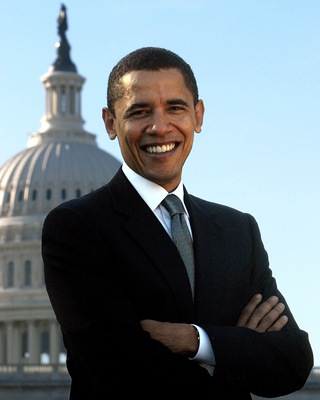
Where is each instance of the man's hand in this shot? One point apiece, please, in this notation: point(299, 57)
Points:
point(264, 317)
point(179, 338)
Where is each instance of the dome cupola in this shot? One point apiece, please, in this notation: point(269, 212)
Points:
point(62, 160)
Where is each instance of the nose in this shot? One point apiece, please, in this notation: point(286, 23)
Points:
point(160, 122)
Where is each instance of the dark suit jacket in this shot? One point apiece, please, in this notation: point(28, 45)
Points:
point(109, 264)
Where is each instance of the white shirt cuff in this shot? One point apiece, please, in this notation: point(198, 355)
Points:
point(205, 355)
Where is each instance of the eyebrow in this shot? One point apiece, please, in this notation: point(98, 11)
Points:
point(177, 101)
point(171, 102)
point(134, 106)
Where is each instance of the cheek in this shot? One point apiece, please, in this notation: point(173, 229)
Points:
point(189, 127)
point(128, 135)
point(189, 123)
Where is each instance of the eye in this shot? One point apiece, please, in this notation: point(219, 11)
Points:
point(139, 113)
point(176, 108)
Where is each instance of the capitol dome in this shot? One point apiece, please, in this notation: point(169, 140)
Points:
point(56, 166)
point(61, 161)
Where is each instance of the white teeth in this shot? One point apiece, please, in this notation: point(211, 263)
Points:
point(160, 149)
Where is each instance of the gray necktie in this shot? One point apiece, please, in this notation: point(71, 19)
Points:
point(181, 234)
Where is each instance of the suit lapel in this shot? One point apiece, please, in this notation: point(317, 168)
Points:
point(210, 253)
point(150, 236)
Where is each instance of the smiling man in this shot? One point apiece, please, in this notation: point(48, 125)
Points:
point(155, 128)
point(133, 321)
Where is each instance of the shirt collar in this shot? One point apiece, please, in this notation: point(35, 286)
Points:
point(151, 193)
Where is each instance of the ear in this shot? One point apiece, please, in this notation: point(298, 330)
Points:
point(108, 119)
point(199, 113)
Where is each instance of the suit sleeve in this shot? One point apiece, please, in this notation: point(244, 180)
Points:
point(268, 364)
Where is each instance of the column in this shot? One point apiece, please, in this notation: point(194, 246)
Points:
point(2, 344)
point(10, 344)
point(33, 343)
point(54, 342)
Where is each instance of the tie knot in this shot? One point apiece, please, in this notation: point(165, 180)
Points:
point(173, 204)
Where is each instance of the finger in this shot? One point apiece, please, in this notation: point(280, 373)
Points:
point(270, 318)
point(261, 312)
point(148, 324)
point(249, 309)
point(279, 324)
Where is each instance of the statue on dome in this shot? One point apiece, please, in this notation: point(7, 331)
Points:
point(62, 21)
point(63, 61)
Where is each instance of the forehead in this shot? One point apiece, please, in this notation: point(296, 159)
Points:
point(161, 81)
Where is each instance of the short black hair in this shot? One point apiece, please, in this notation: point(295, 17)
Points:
point(149, 59)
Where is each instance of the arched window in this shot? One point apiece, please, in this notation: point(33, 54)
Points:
point(72, 100)
point(78, 193)
point(63, 104)
point(34, 195)
point(27, 273)
point(63, 194)
point(10, 281)
point(48, 194)
point(41, 278)
point(20, 198)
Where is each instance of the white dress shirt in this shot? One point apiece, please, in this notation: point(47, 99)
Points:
point(153, 195)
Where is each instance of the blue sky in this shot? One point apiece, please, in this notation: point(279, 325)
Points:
point(258, 68)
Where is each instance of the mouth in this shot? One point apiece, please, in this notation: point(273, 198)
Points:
point(160, 149)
